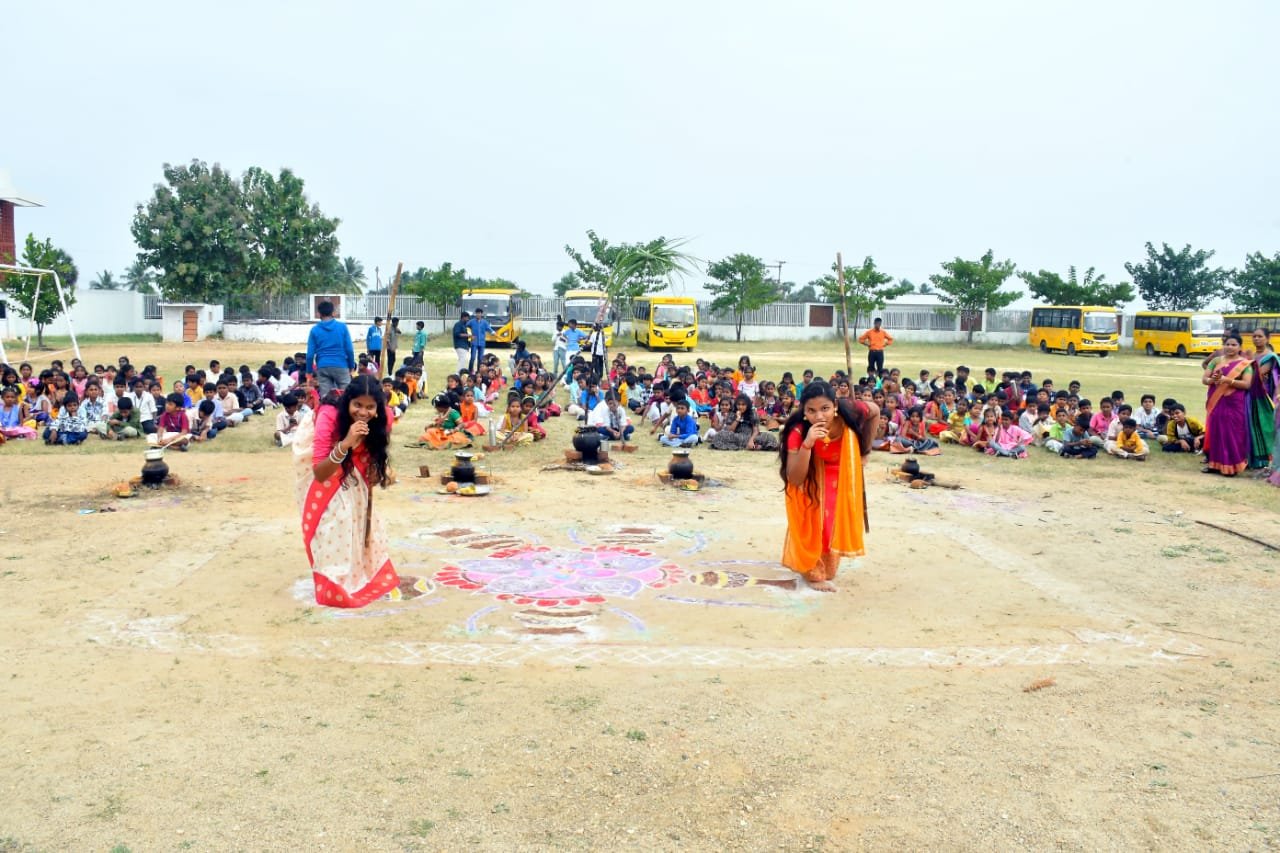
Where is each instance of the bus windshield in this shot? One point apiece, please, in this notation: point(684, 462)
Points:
point(584, 312)
point(1207, 325)
point(495, 308)
point(1100, 323)
point(673, 316)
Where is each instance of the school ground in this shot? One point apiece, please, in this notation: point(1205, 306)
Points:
point(1057, 655)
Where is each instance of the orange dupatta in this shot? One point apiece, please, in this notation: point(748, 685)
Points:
point(803, 546)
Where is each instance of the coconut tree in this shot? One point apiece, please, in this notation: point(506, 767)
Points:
point(353, 272)
point(104, 281)
point(628, 270)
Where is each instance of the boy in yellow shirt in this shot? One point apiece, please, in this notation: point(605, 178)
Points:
point(1128, 444)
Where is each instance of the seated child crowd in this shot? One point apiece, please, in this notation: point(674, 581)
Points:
point(729, 409)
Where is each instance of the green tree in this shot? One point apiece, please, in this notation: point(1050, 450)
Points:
point(628, 270)
point(568, 281)
point(193, 232)
point(1256, 288)
point(439, 287)
point(1177, 281)
point(105, 280)
point(969, 287)
point(139, 279)
point(867, 289)
point(1048, 286)
point(808, 293)
point(353, 274)
point(741, 284)
point(292, 244)
point(22, 288)
point(212, 238)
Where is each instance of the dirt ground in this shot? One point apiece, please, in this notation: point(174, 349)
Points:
point(170, 685)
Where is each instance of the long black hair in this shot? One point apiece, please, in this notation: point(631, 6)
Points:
point(375, 443)
point(849, 413)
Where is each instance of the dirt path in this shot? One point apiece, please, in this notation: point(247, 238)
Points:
point(170, 686)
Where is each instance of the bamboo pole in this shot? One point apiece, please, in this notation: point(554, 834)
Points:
point(844, 316)
point(395, 289)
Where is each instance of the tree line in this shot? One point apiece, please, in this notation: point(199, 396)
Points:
point(207, 236)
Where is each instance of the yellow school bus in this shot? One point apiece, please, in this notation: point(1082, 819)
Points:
point(1179, 333)
point(1246, 323)
point(501, 308)
point(665, 322)
point(1075, 329)
point(584, 306)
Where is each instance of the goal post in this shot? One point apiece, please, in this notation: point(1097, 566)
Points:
point(15, 269)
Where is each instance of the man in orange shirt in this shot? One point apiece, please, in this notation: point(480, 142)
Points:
point(875, 340)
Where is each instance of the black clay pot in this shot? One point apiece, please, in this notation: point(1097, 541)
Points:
point(462, 470)
point(155, 469)
point(587, 442)
point(681, 466)
point(911, 466)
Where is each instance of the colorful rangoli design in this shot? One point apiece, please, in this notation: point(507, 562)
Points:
point(562, 577)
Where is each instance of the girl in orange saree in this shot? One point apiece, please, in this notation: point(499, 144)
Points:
point(1227, 423)
point(823, 447)
point(341, 454)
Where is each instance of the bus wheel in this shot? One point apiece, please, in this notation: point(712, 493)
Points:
point(1044, 346)
point(1182, 351)
point(1151, 350)
point(1071, 349)
point(1102, 354)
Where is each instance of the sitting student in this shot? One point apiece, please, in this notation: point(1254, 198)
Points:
point(209, 390)
point(984, 432)
point(231, 410)
point(394, 399)
point(743, 430)
point(125, 423)
point(1056, 438)
point(1123, 411)
point(204, 428)
point(1010, 439)
point(1077, 442)
point(288, 419)
point(657, 411)
point(267, 387)
point(528, 409)
point(1147, 417)
point(69, 427)
point(447, 430)
point(881, 440)
point(1182, 434)
point(683, 429)
point(249, 395)
point(1037, 426)
point(93, 409)
point(1128, 444)
point(13, 416)
point(914, 436)
point(1162, 419)
point(513, 429)
point(145, 404)
point(610, 419)
point(721, 415)
point(957, 431)
point(173, 428)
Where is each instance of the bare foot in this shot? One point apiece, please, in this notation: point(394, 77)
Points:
point(822, 586)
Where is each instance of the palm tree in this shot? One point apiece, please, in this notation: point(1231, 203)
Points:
point(353, 273)
point(104, 281)
point(139, 279)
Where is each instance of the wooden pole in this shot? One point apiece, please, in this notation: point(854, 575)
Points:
point(395, 289)
point(844, 316)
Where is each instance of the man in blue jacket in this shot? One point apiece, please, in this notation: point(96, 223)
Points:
point(479, 327)
point(330, 354)
point(373, 343)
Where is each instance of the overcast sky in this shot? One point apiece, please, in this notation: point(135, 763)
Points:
point(491, 133)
